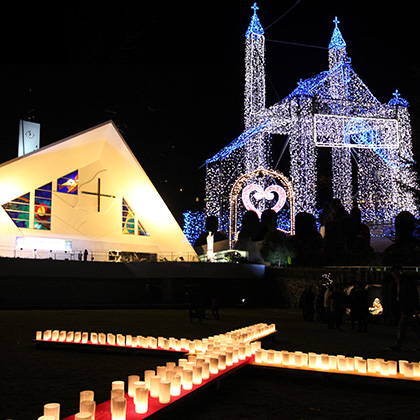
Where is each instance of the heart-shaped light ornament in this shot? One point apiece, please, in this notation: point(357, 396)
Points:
point(260, 194)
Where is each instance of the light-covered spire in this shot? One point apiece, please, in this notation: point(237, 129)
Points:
point(255, 25)
point(337, 40)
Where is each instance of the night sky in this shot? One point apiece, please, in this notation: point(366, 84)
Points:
point(171, 75)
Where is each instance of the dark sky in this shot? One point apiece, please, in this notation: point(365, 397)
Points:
point(171, 75)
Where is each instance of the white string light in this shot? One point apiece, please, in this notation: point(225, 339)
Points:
point(333, 109)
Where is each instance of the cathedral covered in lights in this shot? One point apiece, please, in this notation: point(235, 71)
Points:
point(333, 109)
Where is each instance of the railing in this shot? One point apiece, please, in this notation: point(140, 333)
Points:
point(94, 255)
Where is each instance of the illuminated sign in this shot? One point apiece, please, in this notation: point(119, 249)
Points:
point(53, 244)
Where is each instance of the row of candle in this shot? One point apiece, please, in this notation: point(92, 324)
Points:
point(206, 357)
point(87, 408)
point(169, 380)
point(245, 334)
point(340, 363)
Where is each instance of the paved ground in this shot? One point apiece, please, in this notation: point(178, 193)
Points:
point(31, 377)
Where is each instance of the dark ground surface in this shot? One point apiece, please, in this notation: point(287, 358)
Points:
point(31, 377)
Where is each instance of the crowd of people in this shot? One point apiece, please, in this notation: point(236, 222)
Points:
point(342, 240)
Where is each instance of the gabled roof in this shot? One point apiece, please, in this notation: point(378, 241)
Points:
point(320, 85)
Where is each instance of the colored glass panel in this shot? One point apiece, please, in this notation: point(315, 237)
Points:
point(69, 183)
point(18, 210)
point(42, 207)
point(129, 221)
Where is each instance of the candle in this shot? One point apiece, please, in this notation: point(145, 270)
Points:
point(341, 363)
point(117, 393)
point(222, 361)
point(131, 380)
point(164, 392)
point(147, 375)
point(137, 384)
point(179, 370)
point(86, 395)
point(141, 400)
point(117, 385)
point(362, 366)
point(161, 371)
point(47, 335)
point(154, 386)
point(298, 358)
point(94, 338)
point(371, 365)
point(176, 386)
point(62, 336)
point(187, 382)
point(46, 418)
point(88, 406)
point(214, 365)
point(102, 338)
point(85, 337)
point(70, 336)
point(118, 408)
point(285, 357)
point(52, 409)
point(111, 339)
point(77, 336)
point(197, 375)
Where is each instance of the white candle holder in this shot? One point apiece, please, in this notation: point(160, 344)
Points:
point(131, 380)
point(187, 382)
point(141, 400)
point(88, 406)
point(118, 408)
point(118, 385)
point(52, 409)
point(164, 392)
point(154, 386)
point(86, 395)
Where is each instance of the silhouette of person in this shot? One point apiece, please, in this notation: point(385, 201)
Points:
point(360, 307)
point(212, 226)
point(356, 250)
point(246, 238)
point(273, 245)
point(361, 228)
point(306, 244)
point(85, 255)
point(406, 248)
point(408, 299)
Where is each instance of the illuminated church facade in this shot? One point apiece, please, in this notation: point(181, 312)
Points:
point(86, 192)
point(370, 144)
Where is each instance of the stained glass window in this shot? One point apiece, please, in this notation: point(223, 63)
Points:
point(42, 207)
point(68, 183)
point(18, 210)
point(129, 221)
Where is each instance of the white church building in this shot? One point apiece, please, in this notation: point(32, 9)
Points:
point(86, 194)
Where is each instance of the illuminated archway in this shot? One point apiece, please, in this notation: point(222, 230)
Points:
point(258, 190)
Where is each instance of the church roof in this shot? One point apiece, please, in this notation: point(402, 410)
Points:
point(337, 40)
point(88, 189)
point(255, 25)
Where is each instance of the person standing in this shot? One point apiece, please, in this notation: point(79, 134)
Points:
point(408, 299)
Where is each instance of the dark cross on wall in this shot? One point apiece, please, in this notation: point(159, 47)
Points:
point(98, 193)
